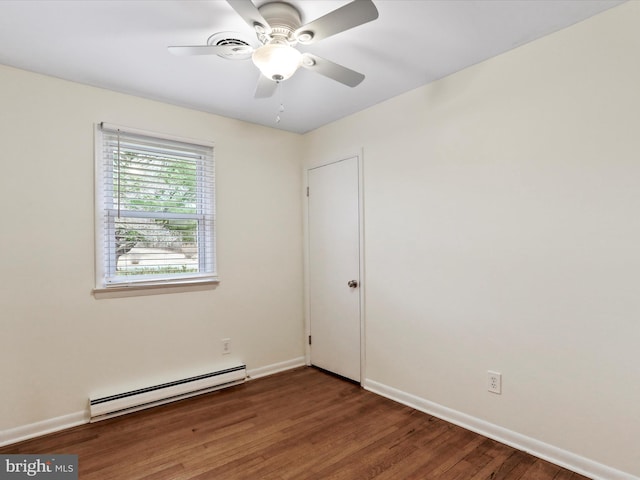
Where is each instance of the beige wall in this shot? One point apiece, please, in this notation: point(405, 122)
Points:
point(502, 232)
point(58, 344)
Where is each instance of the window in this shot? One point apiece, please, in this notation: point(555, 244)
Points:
point(155, 209)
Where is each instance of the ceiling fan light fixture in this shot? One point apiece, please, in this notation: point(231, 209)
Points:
point(277, 61)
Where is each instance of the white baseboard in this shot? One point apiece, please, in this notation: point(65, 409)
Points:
point(25, 432)
point(276, 368)
point(555, 455)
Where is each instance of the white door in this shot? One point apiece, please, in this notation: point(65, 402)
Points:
point(334, 267)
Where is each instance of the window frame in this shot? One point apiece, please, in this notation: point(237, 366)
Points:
point(105, 214)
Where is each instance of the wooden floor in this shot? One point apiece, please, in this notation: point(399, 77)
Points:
point(300, 424)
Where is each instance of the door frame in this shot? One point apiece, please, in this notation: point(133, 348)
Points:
point(362, 282)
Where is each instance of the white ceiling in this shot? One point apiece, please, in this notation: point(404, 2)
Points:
point(121, 46)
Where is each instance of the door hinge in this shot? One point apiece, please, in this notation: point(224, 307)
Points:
point(307, 191)
point(309, 339)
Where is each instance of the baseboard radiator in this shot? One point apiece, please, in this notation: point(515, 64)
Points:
point(126, 402)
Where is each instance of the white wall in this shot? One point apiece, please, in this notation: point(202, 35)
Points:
point(502, 232)
point(59, 344)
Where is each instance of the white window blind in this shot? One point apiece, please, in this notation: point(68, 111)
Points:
point(157, 211)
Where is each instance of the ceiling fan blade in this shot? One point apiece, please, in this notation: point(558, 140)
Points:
point(266, 87)
point(332, 70)
point(251, 15)
point(211, 49)
point(348, 16)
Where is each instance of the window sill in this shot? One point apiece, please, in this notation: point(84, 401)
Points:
point(133, 290)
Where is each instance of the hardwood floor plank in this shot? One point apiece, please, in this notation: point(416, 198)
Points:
point(498, 454)
point(541, 470)
point(303, 424)
point(514, 467)
point(473, 463)
point(446, 455)
point(438, 431)
point(564, 474)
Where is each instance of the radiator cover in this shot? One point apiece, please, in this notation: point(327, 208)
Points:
point(121, 403)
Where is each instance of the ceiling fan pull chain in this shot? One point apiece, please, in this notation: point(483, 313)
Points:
point(281, 108)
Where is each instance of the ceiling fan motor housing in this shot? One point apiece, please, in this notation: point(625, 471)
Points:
point(284, 20)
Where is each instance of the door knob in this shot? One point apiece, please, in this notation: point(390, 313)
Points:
point(352, 283)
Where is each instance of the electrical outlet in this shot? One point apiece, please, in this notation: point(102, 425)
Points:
point(494, 382)
point(226, 346)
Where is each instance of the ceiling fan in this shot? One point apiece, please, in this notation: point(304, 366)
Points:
point(278, 26)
